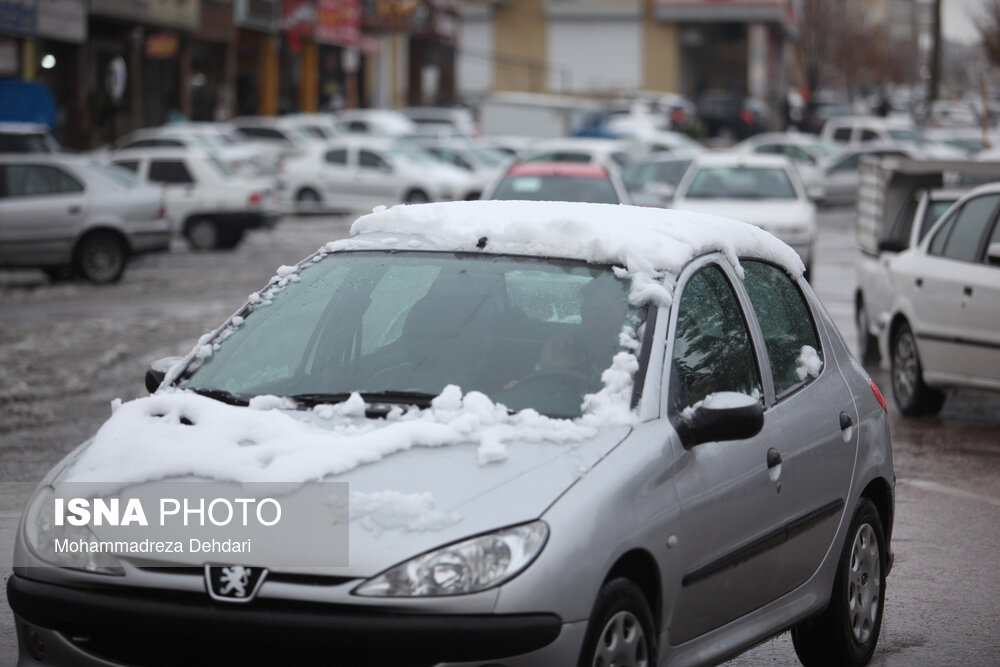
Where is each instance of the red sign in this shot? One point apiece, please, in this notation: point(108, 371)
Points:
point(338, 22)
point(298, 17)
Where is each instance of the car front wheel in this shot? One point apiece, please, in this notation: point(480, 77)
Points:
point(101, 258)
point(912, 396)
point(848, 630)
point(620, 631)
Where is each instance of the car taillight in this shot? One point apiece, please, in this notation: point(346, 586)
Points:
point(746, 116)
point(677, 115)
point(254, 198)
point(878, 394)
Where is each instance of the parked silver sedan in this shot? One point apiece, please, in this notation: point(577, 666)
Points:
point(68, 214)
point(574, 434)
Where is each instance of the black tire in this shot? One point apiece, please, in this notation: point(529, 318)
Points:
point(230, 237)
point(620, 630)
point(867, 343)
point(100, 257)
point(307, 200)
point(416, 197)
point(203, 234)
point(847, 632)
point(912, 396)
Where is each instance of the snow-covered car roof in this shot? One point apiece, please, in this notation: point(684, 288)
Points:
point(645, 241)
point(735, 158)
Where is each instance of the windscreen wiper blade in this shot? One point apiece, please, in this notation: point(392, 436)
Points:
point(418, 398)
point(223, 395)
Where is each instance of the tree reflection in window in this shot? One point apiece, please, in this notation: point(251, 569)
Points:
point(712, 349)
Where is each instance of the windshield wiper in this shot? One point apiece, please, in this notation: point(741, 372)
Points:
point(223, 395)
point(418, 398)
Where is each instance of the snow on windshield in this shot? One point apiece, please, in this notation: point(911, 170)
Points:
point(176, 433)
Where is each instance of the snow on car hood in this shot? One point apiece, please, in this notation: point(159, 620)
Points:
point(418, 478)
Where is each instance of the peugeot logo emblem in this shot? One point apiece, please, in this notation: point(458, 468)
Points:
point(233, 583)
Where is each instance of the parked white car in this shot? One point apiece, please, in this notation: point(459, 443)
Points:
point(380, 122)
point(210, 205)
point(239, 152)
point(360, 172)
point(608, 152)
point(807, 151)
point(836, 180)
point(68, 214)
point(944, 325)
point(764, 190)
point(482, 164)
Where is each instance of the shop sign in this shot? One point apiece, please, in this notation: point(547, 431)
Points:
point(298, 17)
point(180, 13)
point(338, 22)
point(162, 45)
point(17, 17)
point(725, 11)
point(65, 20)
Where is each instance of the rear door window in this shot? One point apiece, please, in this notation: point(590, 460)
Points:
point(961, 237)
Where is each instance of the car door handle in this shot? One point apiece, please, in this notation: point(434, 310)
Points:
point(920, 282)
point(967, 290)
point(73, 210)
point(845, 421)
point(773, 457)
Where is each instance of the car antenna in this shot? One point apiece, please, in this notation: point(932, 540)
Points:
point(481, 243)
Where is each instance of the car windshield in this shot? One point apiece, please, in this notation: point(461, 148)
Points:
point(557, 188)
point(119, 175)
point(414, 154)
point(527, 332)
point(741, 183)
point(222, 167)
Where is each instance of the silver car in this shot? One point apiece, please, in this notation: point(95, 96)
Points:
point(574, 434)
point(68, 214)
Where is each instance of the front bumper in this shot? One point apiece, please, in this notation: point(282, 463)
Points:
point(147, 627)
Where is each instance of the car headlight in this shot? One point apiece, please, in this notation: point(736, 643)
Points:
point(469, 566)
point(44, 537)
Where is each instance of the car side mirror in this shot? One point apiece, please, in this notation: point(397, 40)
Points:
point(721, 416)
point(157, 371)
point(891, 245)
point(993, 254)
point(816, 193)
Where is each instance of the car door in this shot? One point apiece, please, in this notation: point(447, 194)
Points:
point(179, 186)
point(43, 208)
point(955, 294)
point(337, 177)
point(375, 178)
point(746, 531)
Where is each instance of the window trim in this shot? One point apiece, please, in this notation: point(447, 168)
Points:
point(759, 331)
point(718, 260)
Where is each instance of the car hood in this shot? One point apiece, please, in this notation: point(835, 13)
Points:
point(415, 482)
point(770, 215)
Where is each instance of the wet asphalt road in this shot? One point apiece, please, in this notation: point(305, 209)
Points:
point(67, 350)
